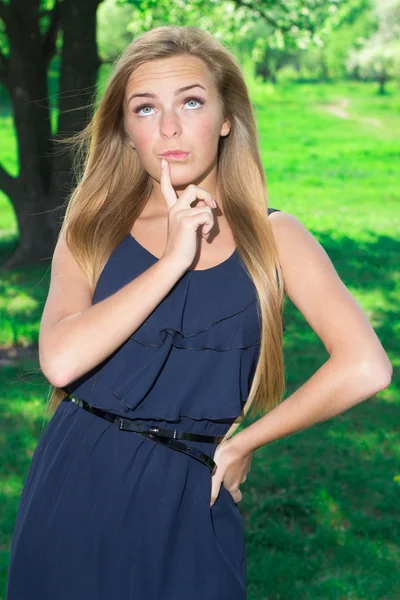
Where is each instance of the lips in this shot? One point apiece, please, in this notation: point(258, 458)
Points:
point(176, 156)
point(176, 153)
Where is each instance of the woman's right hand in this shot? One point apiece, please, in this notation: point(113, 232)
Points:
point(184, 220)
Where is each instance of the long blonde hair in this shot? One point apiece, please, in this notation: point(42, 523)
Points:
point(113, 189)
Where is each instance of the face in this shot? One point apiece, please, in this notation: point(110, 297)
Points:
point(190, 120)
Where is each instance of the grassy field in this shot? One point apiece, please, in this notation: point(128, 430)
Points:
point(320, 507)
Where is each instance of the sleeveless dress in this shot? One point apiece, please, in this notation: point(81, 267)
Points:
point(107, 514)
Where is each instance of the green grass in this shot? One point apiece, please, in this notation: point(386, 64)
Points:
point(320, 507)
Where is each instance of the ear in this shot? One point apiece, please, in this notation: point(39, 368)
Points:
point(225, 129)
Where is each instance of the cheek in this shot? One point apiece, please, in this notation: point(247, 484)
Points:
point(140, 133)
point(205, 135)
point(143, 139)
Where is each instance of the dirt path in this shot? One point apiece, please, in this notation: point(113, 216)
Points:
point(340, 110)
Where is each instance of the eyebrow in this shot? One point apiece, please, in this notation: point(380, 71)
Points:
point(178, 91)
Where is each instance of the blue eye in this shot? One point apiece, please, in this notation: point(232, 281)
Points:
point(142, 106)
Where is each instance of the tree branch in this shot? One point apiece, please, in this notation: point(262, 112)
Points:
point(4, 69)
point(8, 183)
point(4, 61)
point(50, 36)
point(264, 15)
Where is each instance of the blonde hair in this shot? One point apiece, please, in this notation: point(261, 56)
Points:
point(113, 189)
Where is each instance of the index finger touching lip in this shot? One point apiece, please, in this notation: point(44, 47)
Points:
point(164, 167)
point(167, 189)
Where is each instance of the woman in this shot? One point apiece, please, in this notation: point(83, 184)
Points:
point(163, 324)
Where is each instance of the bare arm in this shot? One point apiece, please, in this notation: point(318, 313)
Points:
point(76, 335)
point(358, 366)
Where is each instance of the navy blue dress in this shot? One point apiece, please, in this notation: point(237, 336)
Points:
point(107, 514)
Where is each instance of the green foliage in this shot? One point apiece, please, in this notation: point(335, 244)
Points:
point(329, 60)
point(289, 23)
point(113, 33)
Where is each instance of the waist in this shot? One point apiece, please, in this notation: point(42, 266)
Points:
point(183, 421)
point(168, 437)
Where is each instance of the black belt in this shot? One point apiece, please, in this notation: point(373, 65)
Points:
point(166, 437)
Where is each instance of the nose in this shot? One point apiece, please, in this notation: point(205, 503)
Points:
point(170, 125)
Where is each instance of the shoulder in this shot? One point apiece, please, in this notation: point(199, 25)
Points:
point(280, 216)
point(306, 266)
point(291, 235)
point(289, 231)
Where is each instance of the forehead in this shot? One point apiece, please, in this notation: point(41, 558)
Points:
point(169, 73)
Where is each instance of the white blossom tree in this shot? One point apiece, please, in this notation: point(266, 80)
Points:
point(378, 58)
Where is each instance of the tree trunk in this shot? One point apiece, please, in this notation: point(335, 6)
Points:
point(381, 89)
point(45, 177)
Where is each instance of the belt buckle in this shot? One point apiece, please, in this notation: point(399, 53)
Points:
point(153, 430)
point(156, 430)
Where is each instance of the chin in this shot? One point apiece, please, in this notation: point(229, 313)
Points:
point(181, 176)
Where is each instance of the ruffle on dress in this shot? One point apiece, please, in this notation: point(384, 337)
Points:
point(192, 386)
point(163, 373)
point(195, 319)
point(193, 356)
